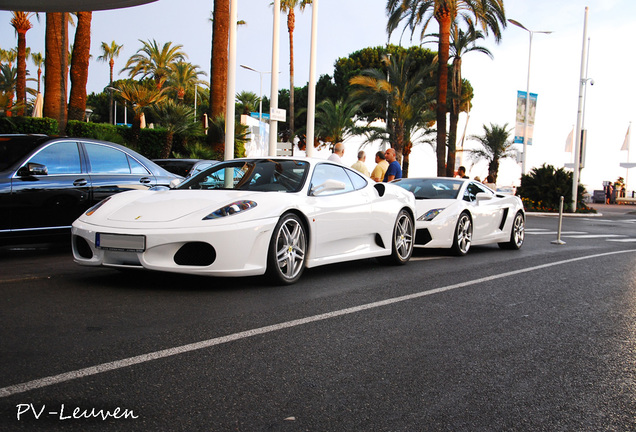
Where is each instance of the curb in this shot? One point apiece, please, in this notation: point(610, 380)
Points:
point(564, 214)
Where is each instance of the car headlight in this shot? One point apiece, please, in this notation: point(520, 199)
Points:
point(231, 209)
point(93, 209)
point(430, 215)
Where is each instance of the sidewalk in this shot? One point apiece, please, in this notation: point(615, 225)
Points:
point(602, 210)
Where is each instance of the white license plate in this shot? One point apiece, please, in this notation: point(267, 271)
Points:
point(121, 242)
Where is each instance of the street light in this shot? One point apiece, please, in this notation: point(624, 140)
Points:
point(112, 89)
point(525, 121)
point(260, 96)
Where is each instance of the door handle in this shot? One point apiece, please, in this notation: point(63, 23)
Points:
point(80, 182)
point(145, 180)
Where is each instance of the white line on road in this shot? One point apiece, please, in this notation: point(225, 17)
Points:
point(555, 232)
point(593, 236)
point(625, 240)
point(119, 364)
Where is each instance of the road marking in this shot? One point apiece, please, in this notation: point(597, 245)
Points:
point(593, 236)
point(119, 364)
point(556, 232)
point(625, 240)
point(427, 258)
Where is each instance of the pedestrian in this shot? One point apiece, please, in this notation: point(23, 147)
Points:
point(380, 168)
point(490, 182)
point(360, 165)
point(461, 172)
point(338, 151)
point(395, 170)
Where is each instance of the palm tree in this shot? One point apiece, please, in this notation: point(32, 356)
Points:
point(461, 43)
point(247, 102)
point(408, 99)
point(38, 60)
point(184, 76)
point(489, 14)
point(109, 54)
point(22, 23)
point(496, 145)
point(335, 122)
point(79, 66)
point(288, 7)
point(139, 98)
point(154, 62)
point(56, 68)
point(175, 118)
point(8, 79)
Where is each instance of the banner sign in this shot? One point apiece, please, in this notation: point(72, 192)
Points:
point(521, 116)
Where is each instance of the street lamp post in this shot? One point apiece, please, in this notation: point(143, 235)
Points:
point(260, 96)
point(526, 116)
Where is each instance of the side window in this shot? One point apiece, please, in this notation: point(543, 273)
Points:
point(472, 190)
point(358, 181)
point(60, 158)
point(136, 167)
point(324, 172)
point(104, 159)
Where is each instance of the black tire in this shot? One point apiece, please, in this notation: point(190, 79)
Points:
point(287, 250)
point(517, 233)
point(402, 239)
point(463, 235)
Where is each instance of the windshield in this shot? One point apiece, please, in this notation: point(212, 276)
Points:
point(265, 175)
point(14, 148)
point(437, 188)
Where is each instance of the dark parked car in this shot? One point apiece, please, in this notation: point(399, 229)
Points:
point(47, 182)
point(185, 167)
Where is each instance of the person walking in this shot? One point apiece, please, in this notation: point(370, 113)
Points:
point(395, 170)
point(360, 166)
point(380, 168)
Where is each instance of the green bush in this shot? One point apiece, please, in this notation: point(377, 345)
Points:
point(542, 189)
point(28, 125)
point(99, 131)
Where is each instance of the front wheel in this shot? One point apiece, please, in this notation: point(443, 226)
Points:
point(287, 250)
point(402, 239)
point(517, 233)
point(463, 235)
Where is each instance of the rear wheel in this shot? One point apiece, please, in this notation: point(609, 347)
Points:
point(463, 235)
point(287, 250)
point(402, 239)
point(517, 233)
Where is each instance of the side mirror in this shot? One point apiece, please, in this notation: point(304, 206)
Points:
point(174, 183)
point(328, 186)
point(483, 196)
point(32, 169)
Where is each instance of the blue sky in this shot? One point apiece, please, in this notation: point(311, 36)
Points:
point(350, 25)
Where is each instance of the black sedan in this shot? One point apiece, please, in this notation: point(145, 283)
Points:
point(47, 182)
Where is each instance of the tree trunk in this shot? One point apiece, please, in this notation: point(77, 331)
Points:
point(20, 87)
point(456, 86)
point(443, 17)
point(218, 66)
point(111, 63)
point(79, 67)
point(56, 68)
point(291, 26)
point(167, 146)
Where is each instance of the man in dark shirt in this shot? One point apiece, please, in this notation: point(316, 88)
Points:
point(395, 170)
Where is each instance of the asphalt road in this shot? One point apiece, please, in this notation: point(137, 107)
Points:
point(538, 339)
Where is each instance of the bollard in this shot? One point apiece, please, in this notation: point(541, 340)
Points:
point(558, 241)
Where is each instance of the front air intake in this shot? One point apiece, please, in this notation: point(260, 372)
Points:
point(195, 254)
point(82, 247)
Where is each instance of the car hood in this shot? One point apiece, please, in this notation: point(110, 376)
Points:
point(423, 205)
point(166, 206)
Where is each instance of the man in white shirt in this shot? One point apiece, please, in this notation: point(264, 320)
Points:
point(338, 151)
